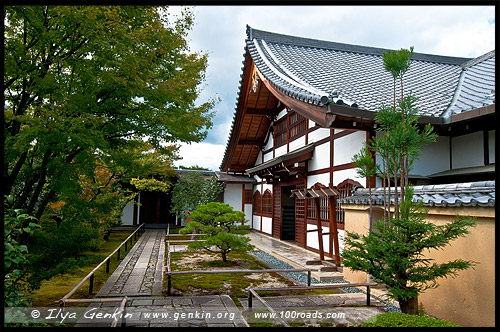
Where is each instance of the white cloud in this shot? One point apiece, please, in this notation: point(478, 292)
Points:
point(203, 154)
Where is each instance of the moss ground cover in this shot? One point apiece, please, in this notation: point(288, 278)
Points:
point(56, 287)
point(397, 319)
point(232, 284)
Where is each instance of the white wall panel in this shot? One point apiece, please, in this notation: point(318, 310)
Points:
point(297, 143)
point(351, 173)
point(318, 134)
point(434, 158)
point(344, 148)
point(256, 223)
point(321, 178)
point(128, 214)
point(321, 157)
point(491, 146)
point(467, 150)
point(267, 225)
point(233, 195)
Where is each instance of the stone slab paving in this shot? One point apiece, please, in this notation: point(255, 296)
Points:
point(141, 271)
point(193, 311)
point(341, 310)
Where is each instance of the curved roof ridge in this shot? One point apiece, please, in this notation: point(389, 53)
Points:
point(305, 85)
point(316, 43)
point(479, 59)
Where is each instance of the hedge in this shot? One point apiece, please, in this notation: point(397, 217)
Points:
point(397, 319)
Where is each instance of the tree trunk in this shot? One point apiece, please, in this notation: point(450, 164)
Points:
point(224, 258)
point(409, 306)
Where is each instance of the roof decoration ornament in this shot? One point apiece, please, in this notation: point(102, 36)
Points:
point(255, 81)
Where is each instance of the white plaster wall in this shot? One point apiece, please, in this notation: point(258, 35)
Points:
point(312, 239)
point(297, 143)
point(318, 134)
point(267, 156)
point(267, 225)
point(344, 148)
point(270, 142)
point(321, 157)
point(256, 223)
point(491, 140)
point(281, 114)
point(321, 178)
point(467, 150)
point(265, 187)
point(434, 158)
point(351, 173)
point(248, 214)
point(128, 214)
point(233, 195)
point(279, 151)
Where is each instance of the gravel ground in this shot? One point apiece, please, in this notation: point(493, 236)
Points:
point(301, 277)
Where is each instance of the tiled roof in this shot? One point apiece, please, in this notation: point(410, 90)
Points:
point(234, 178)
point(476, 87)
point(455, 195)
point(308, 69)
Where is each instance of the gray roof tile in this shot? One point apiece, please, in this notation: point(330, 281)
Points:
point(452, 195)
point(307, 69)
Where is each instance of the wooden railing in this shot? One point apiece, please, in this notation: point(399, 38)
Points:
point(252, 292)
point(169, 271)
point(90, 276)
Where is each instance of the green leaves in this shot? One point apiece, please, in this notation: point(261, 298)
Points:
point(192, 190)
point(223, 228)
point(397, 62)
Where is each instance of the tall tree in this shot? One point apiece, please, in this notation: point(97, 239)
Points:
point(83, 82)
point(393, 253)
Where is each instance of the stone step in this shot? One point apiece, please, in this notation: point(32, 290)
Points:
point(327, 275)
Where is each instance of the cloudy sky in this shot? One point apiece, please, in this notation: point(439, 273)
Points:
point(219, 31)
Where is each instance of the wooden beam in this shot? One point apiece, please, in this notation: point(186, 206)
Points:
point(254, 142)
point(256, 111)
point(320, 232)
point(333, 228)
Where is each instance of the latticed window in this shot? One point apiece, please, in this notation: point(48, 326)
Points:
point(280, 132)
point(323, 208)
point(256, 203)
point(297, 125)
point(311, 208)
point(247, 196)
point(300, 205)
point(267, 204)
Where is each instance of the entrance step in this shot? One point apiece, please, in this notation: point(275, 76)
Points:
point(327, 275)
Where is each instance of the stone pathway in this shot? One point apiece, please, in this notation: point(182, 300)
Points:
point(140, 277)
point(193, 311)
point(333, 310)
point(141, 271)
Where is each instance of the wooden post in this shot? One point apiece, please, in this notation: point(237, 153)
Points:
point(250, 298)
point(169, 284)
point(320, 231)
point(91, 286)
point(309, 278)
point(368, 295)
point(118, 254)
point(107, 266)
point(333, 228)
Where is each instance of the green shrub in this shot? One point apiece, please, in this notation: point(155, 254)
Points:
point(397, 319)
